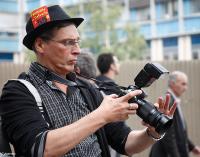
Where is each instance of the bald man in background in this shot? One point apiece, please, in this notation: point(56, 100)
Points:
point(176, 142)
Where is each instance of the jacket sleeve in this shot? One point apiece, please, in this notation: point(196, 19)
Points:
point(190, 145)
point(117, 133)
point(169, 143)
point(22, 120)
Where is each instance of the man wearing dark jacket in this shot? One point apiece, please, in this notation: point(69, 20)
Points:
point(76, 120)
point(108, 66)
point(176, 142)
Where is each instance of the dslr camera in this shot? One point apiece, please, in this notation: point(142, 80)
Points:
point(146, 110)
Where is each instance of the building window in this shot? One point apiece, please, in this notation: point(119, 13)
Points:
point(167, 9)
point(142, 14)
point(147, 53)
point(195, 6)
point(196, 54)
point(170, 48)
point(8, 35)
point(9, 6)
point(195, 46)
point(6, 57)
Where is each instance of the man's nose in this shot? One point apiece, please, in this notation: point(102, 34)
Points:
point(76, 49)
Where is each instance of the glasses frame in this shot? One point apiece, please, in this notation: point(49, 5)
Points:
point(65, 42)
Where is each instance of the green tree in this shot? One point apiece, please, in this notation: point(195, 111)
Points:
point(133, 46)
point(29, 56)
point(100, 34)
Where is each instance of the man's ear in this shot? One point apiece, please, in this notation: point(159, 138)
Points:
point(39, 45)
point(77, 70)
point(172, 84)
point(112, 66)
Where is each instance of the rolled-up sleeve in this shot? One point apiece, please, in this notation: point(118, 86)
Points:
point(117, 134)
point(22, 121)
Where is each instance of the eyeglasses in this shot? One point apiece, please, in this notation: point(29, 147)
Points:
point(67, 42)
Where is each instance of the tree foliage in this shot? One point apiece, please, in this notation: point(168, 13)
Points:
point(101, 33)
point(29, 56)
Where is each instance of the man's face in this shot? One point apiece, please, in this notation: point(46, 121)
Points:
point(180, 86)
point(116, 65)
point(61, 51)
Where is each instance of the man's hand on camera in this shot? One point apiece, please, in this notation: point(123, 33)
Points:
point(164, 107)
point(114, 108)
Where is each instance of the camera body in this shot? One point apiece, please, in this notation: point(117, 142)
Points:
point(146, 110)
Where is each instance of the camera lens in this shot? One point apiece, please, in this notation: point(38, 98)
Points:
point(163, 124)
point(152, 116)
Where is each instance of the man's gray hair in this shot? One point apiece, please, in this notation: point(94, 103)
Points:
point(173, 76)
point(86, 64)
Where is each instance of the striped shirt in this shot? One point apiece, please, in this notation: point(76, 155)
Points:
point(64, 109)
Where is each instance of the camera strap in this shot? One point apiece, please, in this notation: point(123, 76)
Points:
point(103, 85)
point(51, 76)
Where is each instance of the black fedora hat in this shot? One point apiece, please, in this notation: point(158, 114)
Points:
point(44, 18)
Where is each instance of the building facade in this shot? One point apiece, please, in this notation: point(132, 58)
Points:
point(170, 27)
point(11, 30)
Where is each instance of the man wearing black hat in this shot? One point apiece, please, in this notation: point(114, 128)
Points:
point(76, 120)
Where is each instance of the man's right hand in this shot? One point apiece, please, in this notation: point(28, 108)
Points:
point(114, 108)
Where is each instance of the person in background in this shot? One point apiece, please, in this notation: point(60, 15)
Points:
point(109, 67)
point(86, 66)
point(176, 142)
point(76, 120)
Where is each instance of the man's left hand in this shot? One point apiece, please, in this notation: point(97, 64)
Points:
point(196, 150)
point(164, 107)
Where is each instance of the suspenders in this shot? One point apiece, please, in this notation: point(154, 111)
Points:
point(4, 143)
point(33, 91)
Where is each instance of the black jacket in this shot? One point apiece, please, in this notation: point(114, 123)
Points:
point(22, 135)
point(107, 85)
point(108, 134)
point(175, 143)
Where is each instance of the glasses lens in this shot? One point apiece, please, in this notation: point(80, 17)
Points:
point(72, 42)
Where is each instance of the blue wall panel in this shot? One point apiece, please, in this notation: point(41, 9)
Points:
point(8, 45)
point(71, 2)
point(9, 6)
point(146, 30)
point(159, 11)
point(133, 15)
point(192, 24)
point(167, 28)
point(32, 4)
point(186, 6)
point(51, 2)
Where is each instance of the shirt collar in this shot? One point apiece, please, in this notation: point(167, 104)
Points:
point(37, 70)
point(177, 99)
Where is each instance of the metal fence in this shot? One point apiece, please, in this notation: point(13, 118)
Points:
point(190, 100)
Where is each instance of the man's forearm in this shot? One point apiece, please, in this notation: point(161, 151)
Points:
point(62, 140)
point(112, 109)
point(137, 141)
